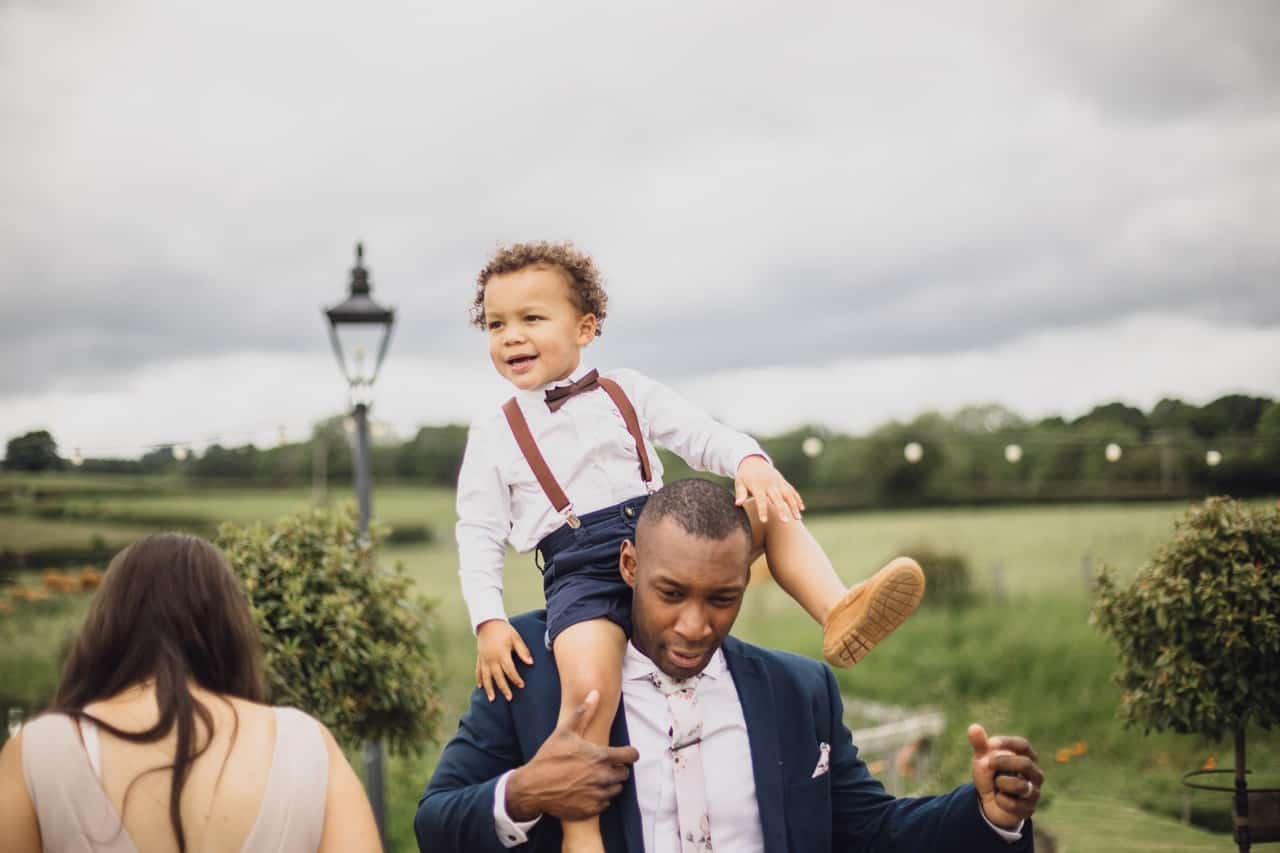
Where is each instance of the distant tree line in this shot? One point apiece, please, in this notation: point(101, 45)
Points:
point(978, 454)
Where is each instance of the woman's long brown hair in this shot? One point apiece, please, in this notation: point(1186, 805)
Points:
point(169, 609)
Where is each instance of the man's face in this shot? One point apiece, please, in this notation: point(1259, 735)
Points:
point(688, 591)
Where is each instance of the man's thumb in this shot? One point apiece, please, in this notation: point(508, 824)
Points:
point(978, 739)
point(584, 713)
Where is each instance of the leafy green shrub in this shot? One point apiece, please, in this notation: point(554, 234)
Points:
point(344, 639)
point(1199, 627)
point(948, 582)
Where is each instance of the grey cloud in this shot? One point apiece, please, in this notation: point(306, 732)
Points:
point(814, 317)
point(1168, 60)
point(759, 188)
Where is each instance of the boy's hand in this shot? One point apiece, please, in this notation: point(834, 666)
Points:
point(756, 478)
point(496, 642)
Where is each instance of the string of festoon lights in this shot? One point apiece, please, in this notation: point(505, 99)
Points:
point(913, 451)
point(1112, 451)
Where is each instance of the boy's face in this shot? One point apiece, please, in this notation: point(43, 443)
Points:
point(536, 333)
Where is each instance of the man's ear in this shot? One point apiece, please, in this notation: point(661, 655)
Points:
point(627, 562)
point(587, 325)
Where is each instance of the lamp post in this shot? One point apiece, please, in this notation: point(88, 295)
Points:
point(360, 330)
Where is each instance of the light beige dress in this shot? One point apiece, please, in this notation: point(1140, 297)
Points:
point(76, 816)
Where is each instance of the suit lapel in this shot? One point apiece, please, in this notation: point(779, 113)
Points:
point(756, 695)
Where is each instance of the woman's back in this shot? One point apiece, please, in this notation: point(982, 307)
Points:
point(170, 614)
point(259, 786)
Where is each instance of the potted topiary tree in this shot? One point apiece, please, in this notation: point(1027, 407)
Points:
point(344, 639)
point(1199, 637)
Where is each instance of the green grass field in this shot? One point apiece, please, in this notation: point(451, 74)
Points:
point(1025, 662)
point(22, 533)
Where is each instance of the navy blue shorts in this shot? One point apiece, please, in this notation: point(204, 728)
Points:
point(580, 575)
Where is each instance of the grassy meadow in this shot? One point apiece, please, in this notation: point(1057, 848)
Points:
point(1023, 659)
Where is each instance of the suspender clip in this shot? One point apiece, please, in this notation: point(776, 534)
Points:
point(570, 518)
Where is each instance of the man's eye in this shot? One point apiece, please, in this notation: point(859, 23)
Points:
point(724, 601)
point(532, 318)
point(669, 594)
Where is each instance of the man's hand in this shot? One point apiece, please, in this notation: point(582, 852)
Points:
point(496, 642)
point(1006, 776)
point(756, 478)
point(569, 777)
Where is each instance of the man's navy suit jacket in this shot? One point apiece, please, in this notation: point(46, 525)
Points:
point(791, 705)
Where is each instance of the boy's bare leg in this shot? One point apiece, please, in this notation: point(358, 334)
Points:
point(853, 619)
point(589, 657)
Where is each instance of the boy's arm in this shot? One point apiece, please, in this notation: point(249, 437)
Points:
point(484, 520)
point(676, 424)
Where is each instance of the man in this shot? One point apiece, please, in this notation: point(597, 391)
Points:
point(734, 747)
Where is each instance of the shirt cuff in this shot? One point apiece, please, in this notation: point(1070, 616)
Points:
point(1009, 835)
point(746, 453)
point(510, 832)
point(486, 612)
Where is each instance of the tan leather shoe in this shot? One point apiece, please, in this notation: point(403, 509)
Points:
point(871, 611)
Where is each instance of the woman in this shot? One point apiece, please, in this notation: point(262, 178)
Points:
point(158, 738)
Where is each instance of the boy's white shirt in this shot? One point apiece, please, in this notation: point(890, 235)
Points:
point(591, 454)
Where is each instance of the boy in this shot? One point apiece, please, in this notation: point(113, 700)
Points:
point(566, 467)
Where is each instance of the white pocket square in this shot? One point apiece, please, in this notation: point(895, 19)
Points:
point(824, 760)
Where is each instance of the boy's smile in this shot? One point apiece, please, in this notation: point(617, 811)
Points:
point(536, 332)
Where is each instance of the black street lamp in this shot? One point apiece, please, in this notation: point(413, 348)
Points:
point(359, 328)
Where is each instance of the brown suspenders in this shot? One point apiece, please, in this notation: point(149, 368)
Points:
point(614, 390)
point(550, 486)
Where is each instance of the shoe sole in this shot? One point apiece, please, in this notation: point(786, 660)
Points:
point(866, 616)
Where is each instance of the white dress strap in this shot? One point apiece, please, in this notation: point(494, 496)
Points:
point(73, 810)
point(292, 815)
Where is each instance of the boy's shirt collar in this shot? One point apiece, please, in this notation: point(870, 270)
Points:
point(538, 394)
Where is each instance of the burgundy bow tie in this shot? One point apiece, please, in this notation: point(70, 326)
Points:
point(557, 397)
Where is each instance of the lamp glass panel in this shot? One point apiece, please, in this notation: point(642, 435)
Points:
point(360, 344)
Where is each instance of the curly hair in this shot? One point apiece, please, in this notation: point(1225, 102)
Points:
point(586, 287)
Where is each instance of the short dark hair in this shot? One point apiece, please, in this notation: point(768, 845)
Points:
point(701, 508)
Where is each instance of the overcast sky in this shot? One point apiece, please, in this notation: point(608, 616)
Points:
point(829, 213)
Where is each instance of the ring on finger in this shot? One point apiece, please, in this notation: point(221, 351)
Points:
point(1031, 789)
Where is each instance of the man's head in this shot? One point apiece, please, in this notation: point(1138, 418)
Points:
point(689, 568)
point(541, 303)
